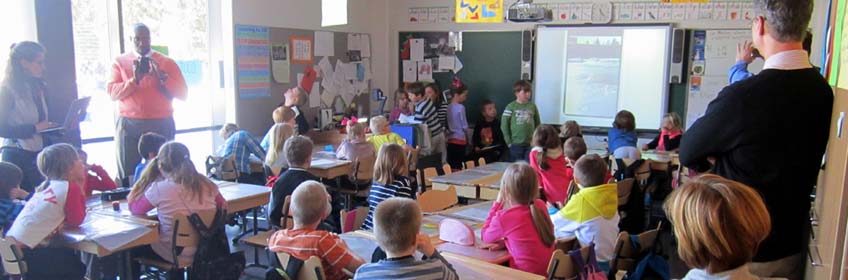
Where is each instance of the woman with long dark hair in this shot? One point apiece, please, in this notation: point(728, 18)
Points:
point(23, 110)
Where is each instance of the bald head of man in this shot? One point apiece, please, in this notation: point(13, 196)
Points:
point(141, 38)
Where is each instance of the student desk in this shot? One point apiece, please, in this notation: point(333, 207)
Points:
point(362, 244)
point(326, 166)
point(474, 182)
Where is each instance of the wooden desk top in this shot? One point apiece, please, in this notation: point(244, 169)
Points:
point(473, 176)
point(473, 212)
point(325, 165)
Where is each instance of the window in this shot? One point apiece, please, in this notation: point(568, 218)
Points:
point(19, 18)
point(181, 29)
point(333, 12)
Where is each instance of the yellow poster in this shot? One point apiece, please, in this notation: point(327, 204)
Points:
point(478, 11)
point(685, 1)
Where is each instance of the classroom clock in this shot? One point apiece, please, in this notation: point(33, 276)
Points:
point(602, 12)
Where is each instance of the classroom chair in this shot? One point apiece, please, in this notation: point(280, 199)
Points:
point(222, 168)
point(625, 256)
point(561, 266)
point(469, 164)
point(284, 220)
point(481, 161)
point(625, 187)
point(353, 219)
point(184, 235)
point(310, 270)
point(363, 173)
point(437, 200)
point(572, 190)
point(258, 242)
point(13, 258)
point(567, 244)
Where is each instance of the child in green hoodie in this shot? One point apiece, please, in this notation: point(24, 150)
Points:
point(592, 214)
point(519, 120)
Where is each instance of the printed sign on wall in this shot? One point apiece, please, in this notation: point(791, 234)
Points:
point(478, 11)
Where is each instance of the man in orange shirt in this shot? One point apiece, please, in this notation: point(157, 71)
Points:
point(144, 82)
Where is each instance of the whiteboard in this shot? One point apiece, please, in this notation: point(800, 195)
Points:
point(719, 56)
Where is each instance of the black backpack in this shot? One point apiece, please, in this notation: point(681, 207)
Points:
point(213, 259)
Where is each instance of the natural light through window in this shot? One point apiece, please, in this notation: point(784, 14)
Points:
point(333, 12)
point(19, 18)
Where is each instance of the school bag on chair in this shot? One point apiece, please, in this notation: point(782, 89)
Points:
point(213, 259)
point(589, 269)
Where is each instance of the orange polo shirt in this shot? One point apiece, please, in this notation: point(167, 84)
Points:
point(145, 100)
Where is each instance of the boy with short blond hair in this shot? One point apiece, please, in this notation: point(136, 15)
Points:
point(397, 222)
point(310, 204)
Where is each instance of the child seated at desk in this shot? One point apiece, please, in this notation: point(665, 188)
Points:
point(670, 134)
point(9, 191)
point(519, 220)
point(276, 159)
point(622, 136)
point(96, 178)
point(280, 115)
point(241, 144)
point(592, 214)
point(397, 225)
point(389, 180)
point(548, 160)
point(381, 134)
point(172, 186)
point(59, 201)
point(310, 204)
point(355, 146)
point(148, 147)
point(569, 129)
point(299, 154)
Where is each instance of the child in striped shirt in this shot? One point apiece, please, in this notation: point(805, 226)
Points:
point(389, 179)
point(427, 112)
point(310, 205)
point(398, 221)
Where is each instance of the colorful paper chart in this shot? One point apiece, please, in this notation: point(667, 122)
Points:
point(253, 61)
point(479, 11)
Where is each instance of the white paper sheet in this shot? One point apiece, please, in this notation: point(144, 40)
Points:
point(410, 75)
point(425, 70)
point(315, 96)
point(327, 96)
point(354, 42)
point(349, 70)
point(324, 44)
point(365, 45)
point(327, 72)
point(446, 62)
point(457, 65)
point(417, 49)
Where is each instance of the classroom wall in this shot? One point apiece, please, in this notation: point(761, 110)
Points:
point(369, 16)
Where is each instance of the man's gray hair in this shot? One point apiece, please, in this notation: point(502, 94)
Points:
point(787, 19)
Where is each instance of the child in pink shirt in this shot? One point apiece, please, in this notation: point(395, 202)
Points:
point(548, 160)
point(519, 221)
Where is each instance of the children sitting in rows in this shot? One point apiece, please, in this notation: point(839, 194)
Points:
point(622, 136)
point(96, 178)
point(355, 146)
point(9, 191)
point(719, 224)
point(280, 115)
point(548, 160)
point(397, 222)
point(457, 126)
point(148, 147)
point(403, 107)
point(275, 158)
point(488, 139)
point(390, 180)
point(569, 129)
point(592, 214)
point(172, 186)
point(295, 98)
point(310, 204)
point(299, 154)
point(381, 133)
point(670, 134)
point(58, 202)
point(241, 144)
point(519, 120)
point(519, 220)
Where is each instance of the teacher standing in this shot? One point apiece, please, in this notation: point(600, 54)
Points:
point(749, 129)
point(23, 110)
point(144, 82)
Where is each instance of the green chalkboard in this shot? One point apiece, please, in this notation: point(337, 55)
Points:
point(491, 64)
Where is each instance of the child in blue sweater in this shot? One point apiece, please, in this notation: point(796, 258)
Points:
point(622, 136)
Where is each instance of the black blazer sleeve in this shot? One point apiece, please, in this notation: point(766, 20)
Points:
point(715, 133)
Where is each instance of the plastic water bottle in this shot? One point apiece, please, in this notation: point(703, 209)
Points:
point(328, 148)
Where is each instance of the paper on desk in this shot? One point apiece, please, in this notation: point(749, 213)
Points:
point(410, 75)
point(112, 232)
point(417, 49)
point(324, 45)
point(477, 212)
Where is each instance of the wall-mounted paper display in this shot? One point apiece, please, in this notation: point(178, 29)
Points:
point(479, 11)
point(301, 48)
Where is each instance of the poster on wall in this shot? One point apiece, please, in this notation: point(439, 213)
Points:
point(253, 65)
point(280, 65)
point(479, 11)
point(301, 49)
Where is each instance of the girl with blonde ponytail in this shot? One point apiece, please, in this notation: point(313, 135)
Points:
point(172, 185)
point(529, 241)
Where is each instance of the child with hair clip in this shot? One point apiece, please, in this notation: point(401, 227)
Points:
point(172, 186)
point(355, 145)
point(670, 134)
point(457, 126)
point(622, 136)
point(520, 221)
point(402, 106)
point(548, 160)
point(275, 158)
point(58, 201)
point(390, 180)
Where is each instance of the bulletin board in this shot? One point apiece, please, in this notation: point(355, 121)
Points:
point(276, 57)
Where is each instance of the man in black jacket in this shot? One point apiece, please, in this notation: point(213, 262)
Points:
point(770, 132)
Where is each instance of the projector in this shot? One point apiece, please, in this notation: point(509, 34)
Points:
point(526, 11)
